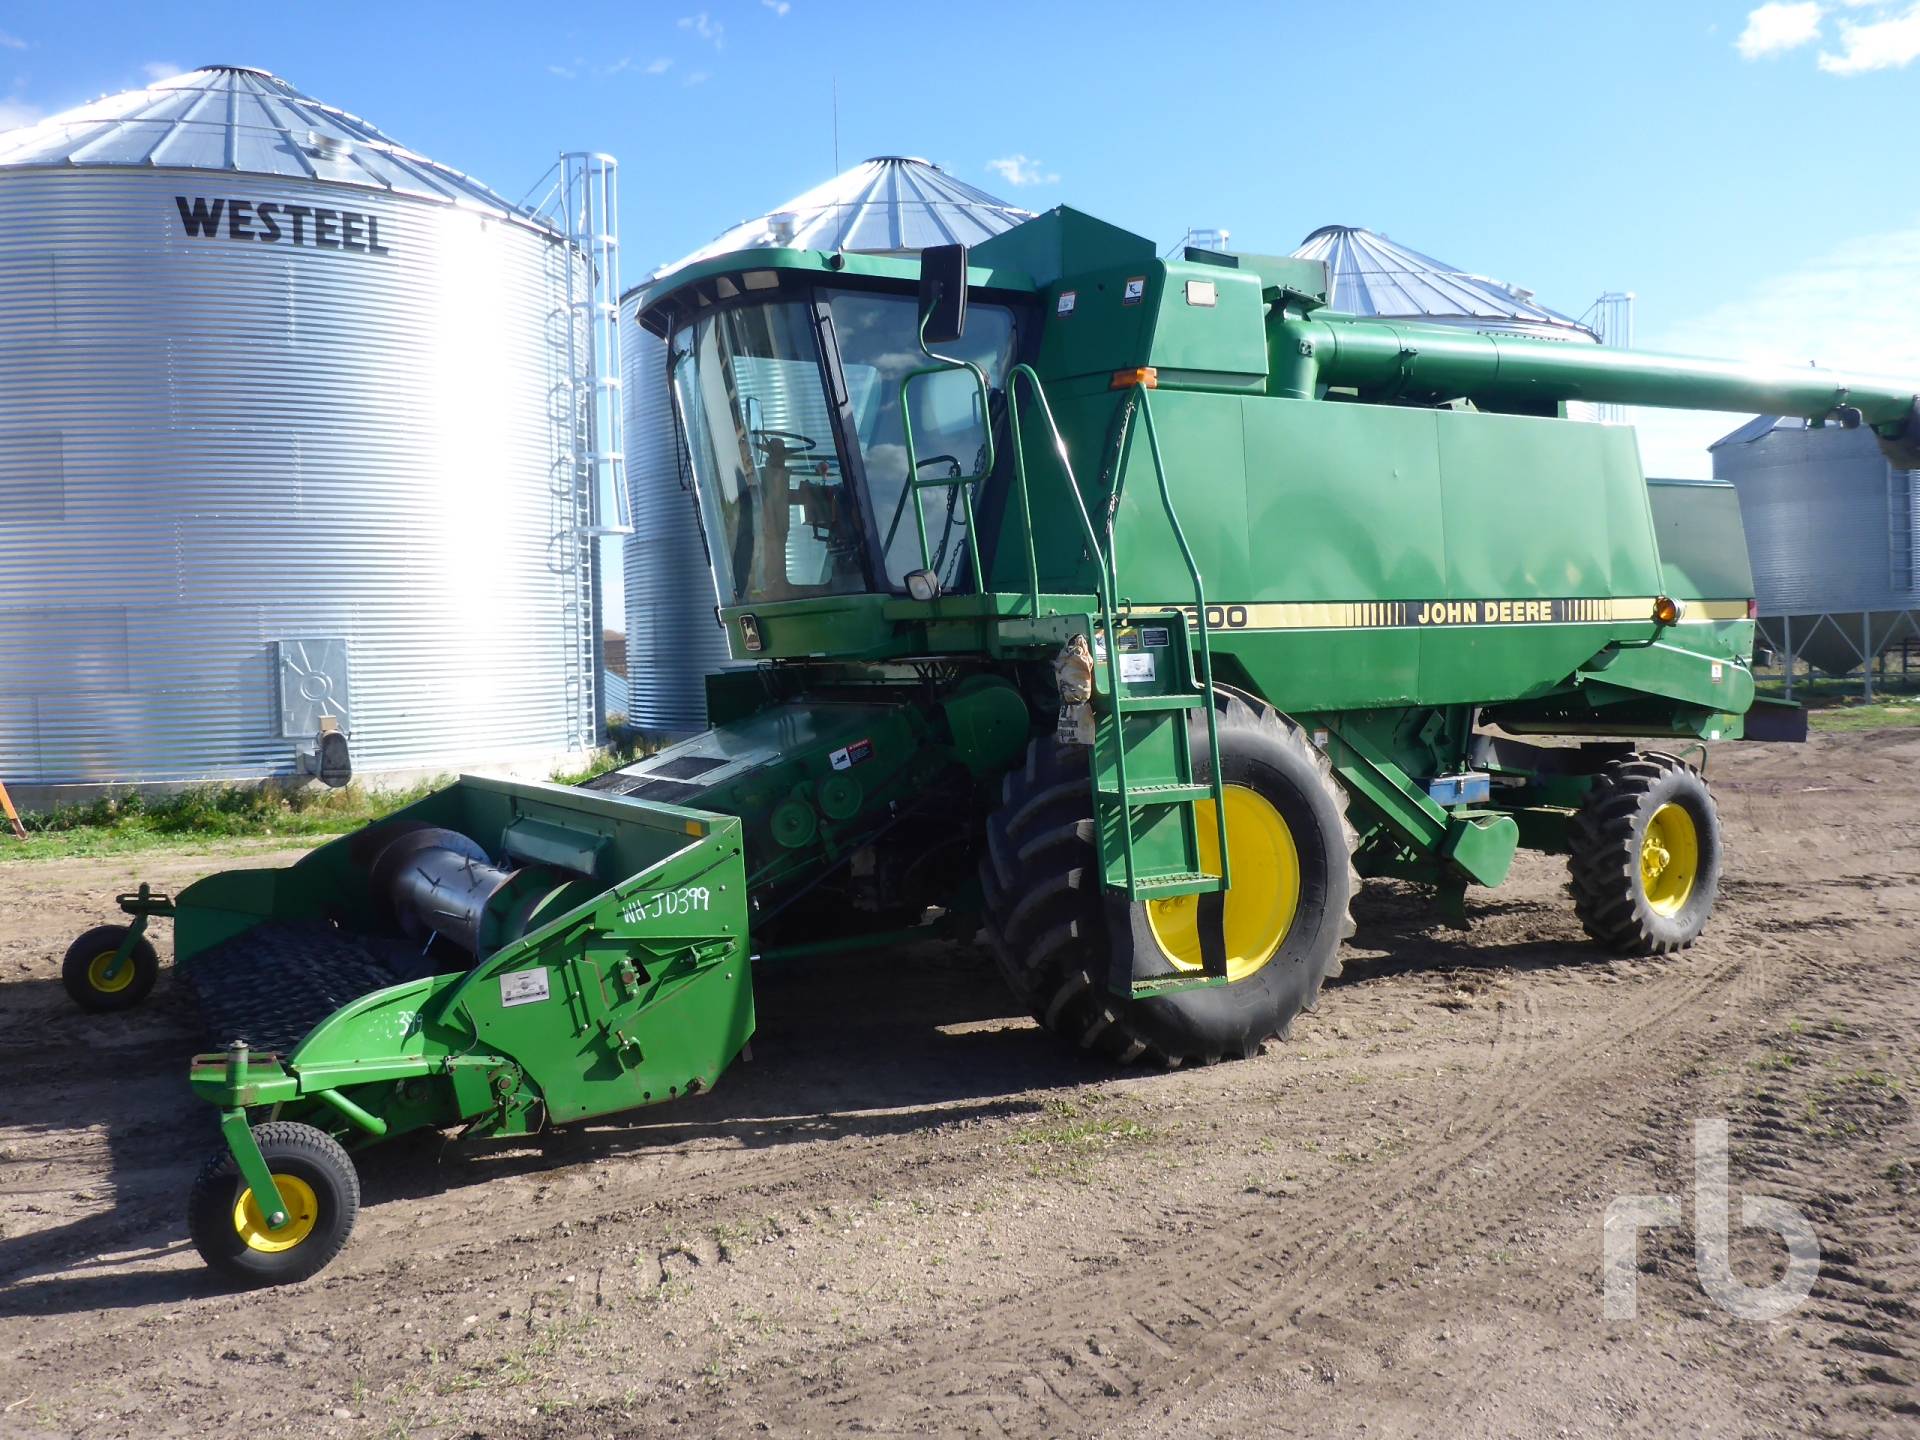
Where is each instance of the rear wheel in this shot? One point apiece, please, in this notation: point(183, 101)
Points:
point(96, 983)
point(1646, 855)
point(1055, 930)
point(322, 1193)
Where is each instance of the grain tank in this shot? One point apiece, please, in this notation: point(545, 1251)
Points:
point(888, 205)
point(279, 405)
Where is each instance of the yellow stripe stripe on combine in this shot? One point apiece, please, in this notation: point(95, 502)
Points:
point(1443, 614)
point(1707, 611)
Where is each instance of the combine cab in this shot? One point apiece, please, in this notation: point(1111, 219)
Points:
point(1129, 610)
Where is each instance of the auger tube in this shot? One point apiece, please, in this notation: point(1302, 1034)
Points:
point(1383, 361)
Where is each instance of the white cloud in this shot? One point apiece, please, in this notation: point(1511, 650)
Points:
point(1889, 41)
point(563, 71)
point(707, 28)
point(158, 70)
point(1022, 170)
point(1776, 28)
point(1855, 309)
point(778, 7)
point(11, 42)
point(15, 112)
point(698, 77)
point(659, 66)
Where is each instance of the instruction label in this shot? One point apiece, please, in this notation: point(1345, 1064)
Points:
point(524, 987)
point(852, 755)
point(1136, 665)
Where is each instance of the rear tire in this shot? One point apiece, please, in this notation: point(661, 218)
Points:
point(1645, 855)
point(318, 1182)
point(1054, 927)
point(84, 971)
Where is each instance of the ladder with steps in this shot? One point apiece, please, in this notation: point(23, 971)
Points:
point(1146, 793)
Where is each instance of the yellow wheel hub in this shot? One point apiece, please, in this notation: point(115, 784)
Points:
point(99, 978)
point(1669, 859)
point(303, 1213)
point(1264, 897)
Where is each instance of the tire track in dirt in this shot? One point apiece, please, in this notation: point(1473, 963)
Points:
point(1211, 1322)
point(1476, 1122)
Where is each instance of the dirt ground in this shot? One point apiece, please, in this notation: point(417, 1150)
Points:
point(912, 1213)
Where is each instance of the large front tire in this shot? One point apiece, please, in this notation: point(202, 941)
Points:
point(316, 1179)
point(1645, 855)
point(1055, 930)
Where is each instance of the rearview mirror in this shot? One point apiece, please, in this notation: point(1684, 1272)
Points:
point(943, 293)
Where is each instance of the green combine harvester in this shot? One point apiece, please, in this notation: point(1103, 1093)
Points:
point(1129, 609)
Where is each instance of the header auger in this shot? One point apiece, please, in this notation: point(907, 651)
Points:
point(1128, 610)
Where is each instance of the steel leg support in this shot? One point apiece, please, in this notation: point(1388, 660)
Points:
point(253, 1167)
point(123, 952)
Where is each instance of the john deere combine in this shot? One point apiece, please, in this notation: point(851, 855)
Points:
point(1135, 608)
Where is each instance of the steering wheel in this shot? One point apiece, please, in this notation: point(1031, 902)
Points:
point(786, 441)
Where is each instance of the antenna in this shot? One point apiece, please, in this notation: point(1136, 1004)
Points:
point(836, 124)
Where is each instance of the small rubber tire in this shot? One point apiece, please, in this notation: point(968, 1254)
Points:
point(1054, 929)
point(78, 972)
point(309, 1156)
point(1604, 854)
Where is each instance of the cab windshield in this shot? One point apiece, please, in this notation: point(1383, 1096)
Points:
point(782, 518)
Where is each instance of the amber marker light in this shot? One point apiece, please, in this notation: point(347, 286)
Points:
point(1145, 376)
point(1666, 610)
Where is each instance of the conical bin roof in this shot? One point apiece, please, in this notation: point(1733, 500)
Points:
point(889, 204)
point(239, 120)
point(1372, 275)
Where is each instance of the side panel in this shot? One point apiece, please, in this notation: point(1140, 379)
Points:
point(1703, 545)
point(1371, 556)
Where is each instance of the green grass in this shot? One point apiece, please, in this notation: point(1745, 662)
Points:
point(1067, 1141)
point(1835, 706)
point(194, 819)
point(209, 815)
point(1850, 719)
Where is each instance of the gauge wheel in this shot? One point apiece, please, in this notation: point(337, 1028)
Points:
point(322, 1193)
point(1057, 933)
point(96, 983)
point(1645, 855)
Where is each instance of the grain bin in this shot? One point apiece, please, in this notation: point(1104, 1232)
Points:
point(284, 416)
point(1831, 527)
point(889, 205)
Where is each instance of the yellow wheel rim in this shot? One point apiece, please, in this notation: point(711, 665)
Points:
point(303, 1213)
point(1669, 859)
point(1263, 899)
point(100, 980)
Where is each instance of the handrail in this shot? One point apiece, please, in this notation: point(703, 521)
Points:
point(1206, 649)
point(1107, 581)
point(1105, 576)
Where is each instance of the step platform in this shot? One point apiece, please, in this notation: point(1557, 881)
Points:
point(272, 984)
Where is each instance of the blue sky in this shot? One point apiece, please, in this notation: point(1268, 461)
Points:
point(1746, 172)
